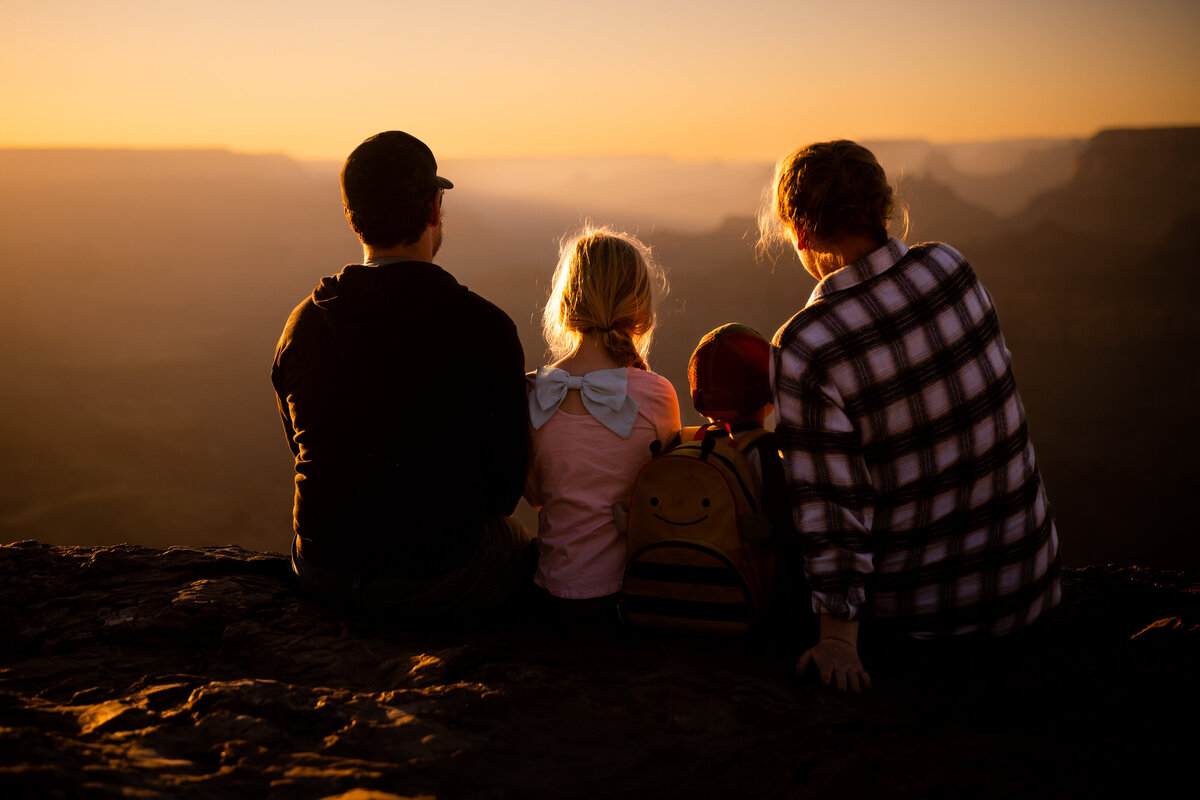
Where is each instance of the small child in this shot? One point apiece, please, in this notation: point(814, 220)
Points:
point(730, 377)
point(594, 414)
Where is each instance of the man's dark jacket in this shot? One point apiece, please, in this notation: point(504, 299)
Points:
point(403, 400)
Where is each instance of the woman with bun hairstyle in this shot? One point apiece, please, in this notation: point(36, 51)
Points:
point(594, 414)
point(910, 471)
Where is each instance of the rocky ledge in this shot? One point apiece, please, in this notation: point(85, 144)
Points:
point(203, 672)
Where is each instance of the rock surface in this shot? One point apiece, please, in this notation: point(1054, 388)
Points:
point(204, 672)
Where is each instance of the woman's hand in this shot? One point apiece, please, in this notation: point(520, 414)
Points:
point(837, 665)
point(835, 656)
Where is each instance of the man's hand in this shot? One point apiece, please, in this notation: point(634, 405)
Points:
point(835, 656)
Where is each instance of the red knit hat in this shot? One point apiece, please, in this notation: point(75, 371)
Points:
point(730, 372)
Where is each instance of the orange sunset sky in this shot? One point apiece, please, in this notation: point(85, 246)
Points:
point(701, 79)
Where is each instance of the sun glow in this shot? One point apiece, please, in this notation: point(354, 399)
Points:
point(693, 80)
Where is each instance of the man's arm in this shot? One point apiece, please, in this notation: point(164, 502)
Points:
point(285, 416)
point(279, 382)
point(507, 447)
point(304, 390)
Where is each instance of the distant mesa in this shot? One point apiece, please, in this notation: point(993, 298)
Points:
point(1133, 185)
point(100, 165)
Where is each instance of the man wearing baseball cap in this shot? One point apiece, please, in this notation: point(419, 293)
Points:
point(402, 398)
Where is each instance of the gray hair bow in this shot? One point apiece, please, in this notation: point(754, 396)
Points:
point(604, 393)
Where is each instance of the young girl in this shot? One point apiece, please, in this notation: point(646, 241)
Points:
point(594, 413)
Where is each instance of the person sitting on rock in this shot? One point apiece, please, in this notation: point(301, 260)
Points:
point(593, 415)
point(911, 475)
point(395, 512)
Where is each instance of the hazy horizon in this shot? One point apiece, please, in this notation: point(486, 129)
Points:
point(638, 192)
point(964, 144)
point(145, 292)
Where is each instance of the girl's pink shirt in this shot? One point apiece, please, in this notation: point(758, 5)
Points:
point(578, 470)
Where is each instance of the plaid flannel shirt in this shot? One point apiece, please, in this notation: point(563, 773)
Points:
point(910, 471)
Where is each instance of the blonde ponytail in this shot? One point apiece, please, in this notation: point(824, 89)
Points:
point(620, 347)
point(608, 283)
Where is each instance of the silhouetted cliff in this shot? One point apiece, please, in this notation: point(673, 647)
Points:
point(1128, 186)
point(202, 672)
point(1095, 284)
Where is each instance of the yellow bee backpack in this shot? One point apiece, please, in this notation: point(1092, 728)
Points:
point(700, 558)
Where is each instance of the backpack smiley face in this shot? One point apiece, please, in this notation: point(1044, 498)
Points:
point(695, 496)
point(659, 512)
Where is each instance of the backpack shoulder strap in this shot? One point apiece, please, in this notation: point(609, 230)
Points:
point(754, 439)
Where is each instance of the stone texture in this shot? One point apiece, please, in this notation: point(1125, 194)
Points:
point(200, 672)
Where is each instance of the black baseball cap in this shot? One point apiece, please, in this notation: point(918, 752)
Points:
point(386, 165)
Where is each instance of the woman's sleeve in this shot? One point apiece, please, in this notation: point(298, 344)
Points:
point(829, 486)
